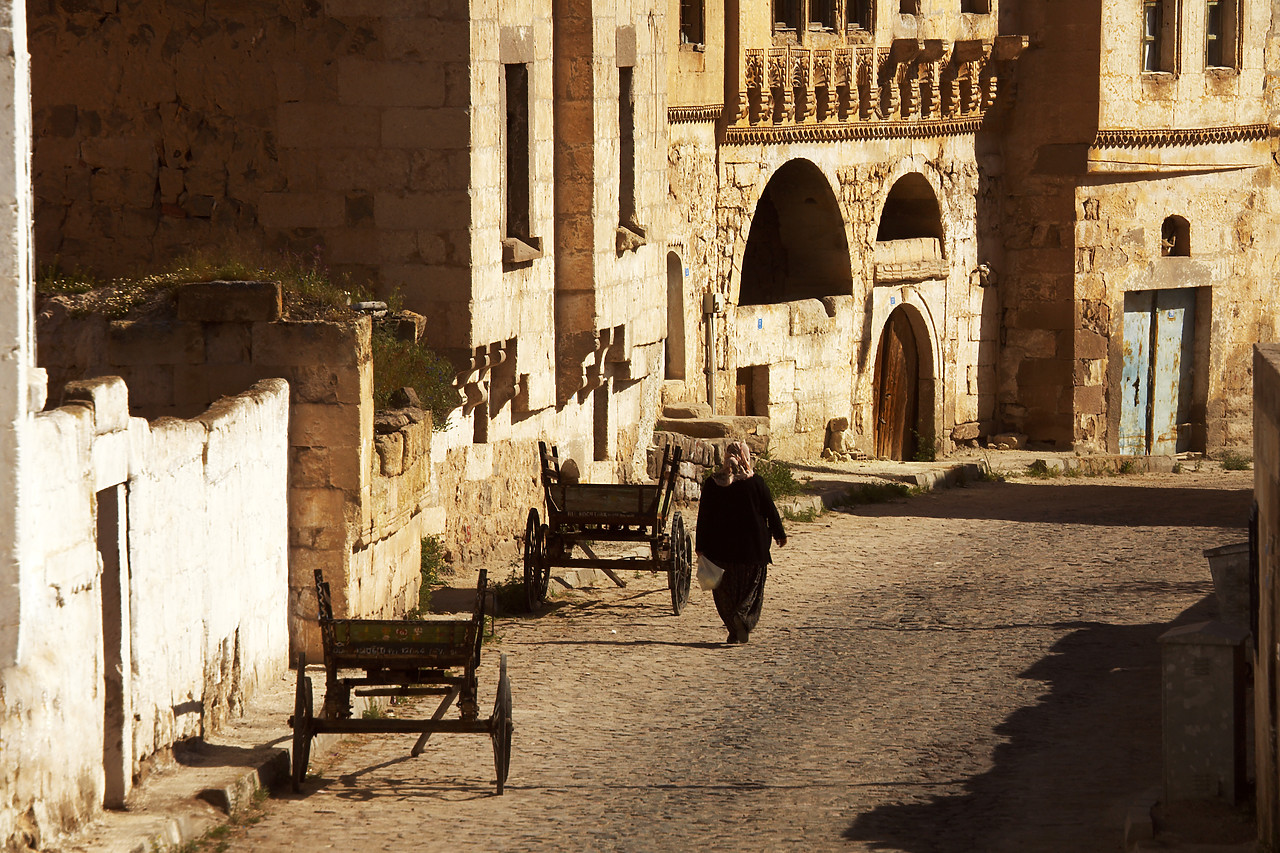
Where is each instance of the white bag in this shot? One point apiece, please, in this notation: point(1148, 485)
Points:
point(709, 574)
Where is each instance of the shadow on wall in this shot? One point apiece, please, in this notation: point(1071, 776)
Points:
point(1093, 738)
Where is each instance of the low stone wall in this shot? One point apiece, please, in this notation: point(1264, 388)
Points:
point(152, 589)
point(354, 502)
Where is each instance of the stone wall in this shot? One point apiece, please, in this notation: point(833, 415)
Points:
point(1266, 665)
point(154, 594)
point(358, 507)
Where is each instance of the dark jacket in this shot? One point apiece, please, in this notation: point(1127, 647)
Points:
point(737, 522)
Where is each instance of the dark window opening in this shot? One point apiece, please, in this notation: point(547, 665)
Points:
point(1152, 26)
point(1221, 28)
point(517, 154)
point(822, 15)
point(1175, 238)
point(976, 7)
point(691, 22)
point(858, 15)
point(909, 7)
point(626, 148)
point(786, 14)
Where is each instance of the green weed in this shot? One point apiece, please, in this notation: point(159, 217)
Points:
point(1234, 460)
point(801, 515)
point(926, 448)
point(1042, 470)
point(779, 477)
point(1128, 466)
point(509, 592)
point(373, 712)
point(399, 363)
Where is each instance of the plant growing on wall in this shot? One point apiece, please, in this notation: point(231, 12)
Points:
point(399, 364)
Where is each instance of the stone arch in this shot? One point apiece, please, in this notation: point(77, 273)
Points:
point(911, 210)
point(797, 246)
point(904, 381)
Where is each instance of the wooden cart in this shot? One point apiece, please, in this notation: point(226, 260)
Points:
point(580, 514)
point(401, 658)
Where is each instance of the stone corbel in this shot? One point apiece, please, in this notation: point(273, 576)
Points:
point(779, 77)
point(473, 381)
point(799, 63)
point(610, 346)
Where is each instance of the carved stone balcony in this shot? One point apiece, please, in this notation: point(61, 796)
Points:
point(911, 88)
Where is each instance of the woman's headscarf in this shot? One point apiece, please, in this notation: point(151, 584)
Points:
point(736, 464)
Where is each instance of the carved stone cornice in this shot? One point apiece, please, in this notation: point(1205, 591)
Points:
point(1173, 137)
point(756, 135)
point(709, 112)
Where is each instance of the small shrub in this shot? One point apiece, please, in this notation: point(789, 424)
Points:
point(926, 448)
point(1128, 466)
point(433, 565)
point(398, 364)
point(1234, 460)
point(1177, 468)
point(779, 477)
point(987, 474)
point(373, 712)
point(1042, 470)
point(509, 592)
point(801, 515)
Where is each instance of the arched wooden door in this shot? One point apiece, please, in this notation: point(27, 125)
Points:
point(897, 389)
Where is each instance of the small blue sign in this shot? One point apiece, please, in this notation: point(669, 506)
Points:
point(893, 300)
point(686, 272)
point(759, 322)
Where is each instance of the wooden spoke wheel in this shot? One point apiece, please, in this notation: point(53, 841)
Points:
point(680, 568)
point(536, 569)
point(302, 727)
point(501, 725)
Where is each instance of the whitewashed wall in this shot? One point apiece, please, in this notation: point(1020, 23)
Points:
point(206, 591)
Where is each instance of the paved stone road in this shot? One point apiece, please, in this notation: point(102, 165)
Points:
point(969, 670)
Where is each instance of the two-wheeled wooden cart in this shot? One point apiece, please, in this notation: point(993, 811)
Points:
point(580, 514)
point(401, 658)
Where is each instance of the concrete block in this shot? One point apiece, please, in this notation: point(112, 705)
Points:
point(230, 301)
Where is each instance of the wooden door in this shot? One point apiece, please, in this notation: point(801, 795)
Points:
point(897, 389)
point(1135, 378)
point(1174, 336)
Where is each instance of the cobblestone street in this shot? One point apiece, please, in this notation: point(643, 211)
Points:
point(974, 669)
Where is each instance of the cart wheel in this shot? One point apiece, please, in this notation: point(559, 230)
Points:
point(500, 726)
point(301, 722)
point(535, 562)
point(544, 548)
point(680, 571)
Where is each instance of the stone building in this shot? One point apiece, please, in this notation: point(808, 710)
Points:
point(946, 219)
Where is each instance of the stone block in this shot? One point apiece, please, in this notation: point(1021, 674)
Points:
point(227, 343)
point(309, 467)
point(390, 450)
point(148, 342)
point(697, 428)
point(230, 301)
point(965, 432)
point(108, 396)
point(432, 128)
point(1088, 399)
point(301, 210)
point(312, 343)
point(687, 410)
point(191, 388)
point(319, 425)
point(1089, 344)
point(317, 125)
point(366, 82)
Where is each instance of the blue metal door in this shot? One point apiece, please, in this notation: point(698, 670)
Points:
point(1175, 312)
point(1135, 380)
point(1159, 335)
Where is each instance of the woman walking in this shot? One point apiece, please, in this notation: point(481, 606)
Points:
point(736, 520)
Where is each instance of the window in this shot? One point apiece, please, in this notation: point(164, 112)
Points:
point(1175, 238)
point(1221, 25)
point(1160, 24)
point(822, 15)
point(691, 26)
point(517, 189)
point(976, 7)
point(786, 14)
point(1152, 15)
point(626, 148)
point(858, 14)
point(909, 7)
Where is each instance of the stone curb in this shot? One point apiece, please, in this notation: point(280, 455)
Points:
point(831, 498)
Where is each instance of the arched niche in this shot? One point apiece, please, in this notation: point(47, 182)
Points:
point(1175, 237)
point(796, 247)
